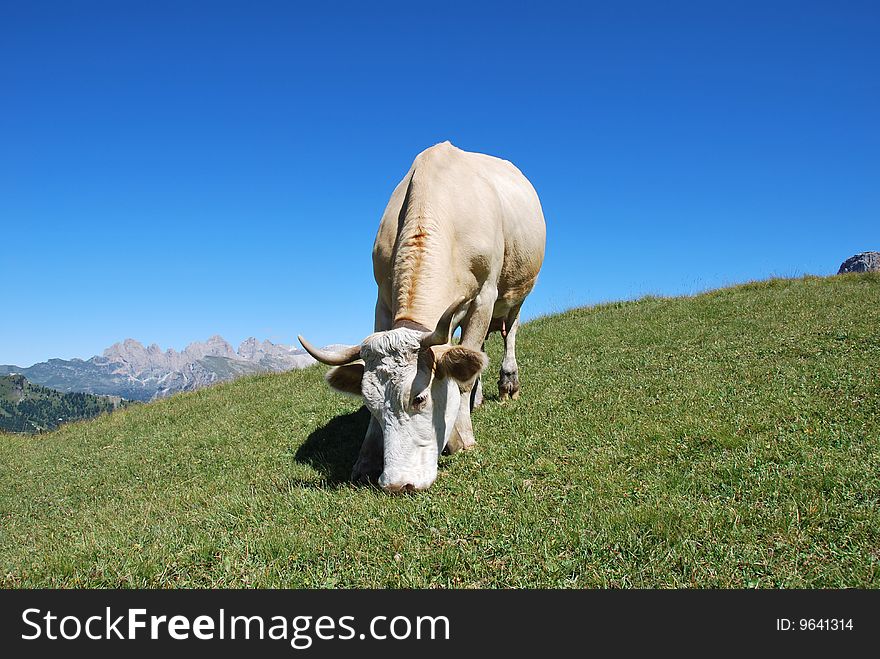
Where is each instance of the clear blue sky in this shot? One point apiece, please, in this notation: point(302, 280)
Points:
point(172, 170)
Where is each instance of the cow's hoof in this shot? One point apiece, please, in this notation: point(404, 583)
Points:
point(508, 386)
point(458, 442)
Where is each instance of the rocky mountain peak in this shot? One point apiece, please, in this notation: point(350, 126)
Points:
point(248, 348)
point(216, 346)
point(124, 350)
point(254, 350)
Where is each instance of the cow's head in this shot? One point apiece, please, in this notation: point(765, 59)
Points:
point(409, 380)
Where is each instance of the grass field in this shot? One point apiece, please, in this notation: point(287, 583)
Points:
point(730, 439)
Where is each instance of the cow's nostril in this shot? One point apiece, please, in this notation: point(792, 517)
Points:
point(396, 489)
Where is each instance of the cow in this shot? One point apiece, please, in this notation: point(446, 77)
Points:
point(460, 244)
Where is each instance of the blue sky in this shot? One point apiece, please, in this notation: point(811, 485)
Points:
point(172, 170)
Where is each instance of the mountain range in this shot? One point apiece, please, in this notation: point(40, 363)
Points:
point(132, 371)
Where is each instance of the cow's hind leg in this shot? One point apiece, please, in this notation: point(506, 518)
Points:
point(371, 459)
point(508, 380)
point(477, 391)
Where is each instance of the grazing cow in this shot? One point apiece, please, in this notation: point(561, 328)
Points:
point(460, 244)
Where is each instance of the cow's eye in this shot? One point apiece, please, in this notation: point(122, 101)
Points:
point(420, 400)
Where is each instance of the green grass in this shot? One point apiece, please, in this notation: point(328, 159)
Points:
point(730, 439)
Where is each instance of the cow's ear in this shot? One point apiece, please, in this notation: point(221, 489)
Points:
point(347, 379)
point(460, 363)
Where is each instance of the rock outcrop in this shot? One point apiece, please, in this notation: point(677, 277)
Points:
point(864, 262)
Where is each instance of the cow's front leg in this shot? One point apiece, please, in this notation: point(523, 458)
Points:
point(371, 459)
point(462, 437)
point(508, 378)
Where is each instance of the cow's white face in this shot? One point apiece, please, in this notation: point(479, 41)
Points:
point(413, 392)
point(416, 410)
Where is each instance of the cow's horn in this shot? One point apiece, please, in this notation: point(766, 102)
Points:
point(443, 332)
point(343, 355)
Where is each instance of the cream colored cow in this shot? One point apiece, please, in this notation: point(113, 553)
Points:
point(460, 244)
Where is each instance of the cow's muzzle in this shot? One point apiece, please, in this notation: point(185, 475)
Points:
point(404, 485)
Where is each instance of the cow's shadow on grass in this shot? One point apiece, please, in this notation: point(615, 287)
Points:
point(333, 448)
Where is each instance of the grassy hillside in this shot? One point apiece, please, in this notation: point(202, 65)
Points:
point(728, 440)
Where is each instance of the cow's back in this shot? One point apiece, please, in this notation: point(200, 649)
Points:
point(456, 221)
